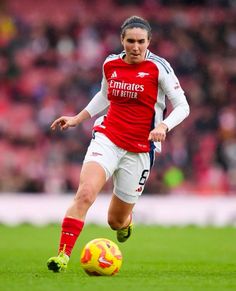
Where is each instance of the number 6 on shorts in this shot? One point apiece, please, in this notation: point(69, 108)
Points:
point(144, 177)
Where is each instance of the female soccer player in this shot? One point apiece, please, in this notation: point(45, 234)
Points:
point(134, 87)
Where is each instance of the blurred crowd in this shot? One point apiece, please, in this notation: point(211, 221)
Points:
point(51, 55)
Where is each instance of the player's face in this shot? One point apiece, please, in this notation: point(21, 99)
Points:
point(135, 43)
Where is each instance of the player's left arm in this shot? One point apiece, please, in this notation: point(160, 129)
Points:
point(170, 85)
point(175, 94)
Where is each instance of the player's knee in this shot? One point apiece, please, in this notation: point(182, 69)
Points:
point(115, 223)
point(85, 195)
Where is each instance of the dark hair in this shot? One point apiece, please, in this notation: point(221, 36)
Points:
point(136, 21)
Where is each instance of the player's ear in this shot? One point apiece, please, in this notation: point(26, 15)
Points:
point(122, 40)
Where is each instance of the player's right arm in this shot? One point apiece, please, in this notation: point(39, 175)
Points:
point(98, 103)
point(64, 122)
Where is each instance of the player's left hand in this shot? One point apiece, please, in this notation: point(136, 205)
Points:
point(158, 133)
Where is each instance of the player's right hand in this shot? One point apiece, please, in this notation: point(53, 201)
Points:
point(64, 122)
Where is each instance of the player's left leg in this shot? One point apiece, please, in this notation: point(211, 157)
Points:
point(129, 181)
point(120, 218)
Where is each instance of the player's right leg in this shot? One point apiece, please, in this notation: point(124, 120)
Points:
point(92, 179)
point(99, 164)
point(58, 263)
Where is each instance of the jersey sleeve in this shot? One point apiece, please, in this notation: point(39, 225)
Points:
point(99, 102)
point(170, 85)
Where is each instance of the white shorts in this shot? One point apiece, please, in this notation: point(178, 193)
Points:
point(129, 170)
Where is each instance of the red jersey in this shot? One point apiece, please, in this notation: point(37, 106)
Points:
point(136, 99)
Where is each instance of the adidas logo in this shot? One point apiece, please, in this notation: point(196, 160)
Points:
point(114, 75)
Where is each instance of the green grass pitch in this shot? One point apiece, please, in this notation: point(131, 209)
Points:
point(154, 258)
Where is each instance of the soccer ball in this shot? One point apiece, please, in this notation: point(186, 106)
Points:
point(101, 257)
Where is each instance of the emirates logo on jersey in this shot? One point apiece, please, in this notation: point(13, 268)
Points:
point(126, 86)
point(123, 89)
